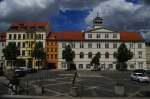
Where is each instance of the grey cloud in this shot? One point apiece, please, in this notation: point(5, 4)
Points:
point(147, 2)
point(14, 10)
point(22, 10)
point(78, 4)
point(123, 16)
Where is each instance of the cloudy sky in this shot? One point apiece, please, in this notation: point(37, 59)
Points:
point(76, 15)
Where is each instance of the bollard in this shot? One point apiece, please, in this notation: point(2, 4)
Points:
point(119, 89)
point(74, 91)
point(38, 90)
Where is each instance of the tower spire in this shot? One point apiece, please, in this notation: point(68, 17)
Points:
point(97, 21)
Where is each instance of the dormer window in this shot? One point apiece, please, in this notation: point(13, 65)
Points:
point(114, 35)
point(106, 35)
point(98, 35)
point(89, 35)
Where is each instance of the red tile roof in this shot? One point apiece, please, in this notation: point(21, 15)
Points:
point(130, 36)
point(66, 35)
point(2, 36)
point(28, 25)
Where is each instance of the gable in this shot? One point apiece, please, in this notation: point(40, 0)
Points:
point(103, 30)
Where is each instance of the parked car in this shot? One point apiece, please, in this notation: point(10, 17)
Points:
point(19, 72)
point(147, 71)
point(139, 71)
point(1, 72)
point(140, 77)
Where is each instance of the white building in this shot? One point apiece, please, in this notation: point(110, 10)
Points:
point(103, 40)
point(148, 55)
point(2, 46)
point(25, 35)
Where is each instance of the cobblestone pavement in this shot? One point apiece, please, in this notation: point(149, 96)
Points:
point(89, 83)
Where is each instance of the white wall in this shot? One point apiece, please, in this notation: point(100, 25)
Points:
point(111, 60)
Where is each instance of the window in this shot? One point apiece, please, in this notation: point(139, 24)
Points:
point(81, 45)
point(19, 44)
point(23, 53)
point(89, 45)
point(73, 45)
point(81, 55)
point(51, 56)
point(89, 35)
point(28, 36)
point(98, 35)
point(90, 55)
point(139, 45)
point(115, 54)
point(47, 49)
point(110, 66)
point(131, 45)
point(30, 53)
point(140, 54)
point(140, 65)
point(88, 66)
point(31, 36)
point(64, 65)
point(19, 36)
point(23, 44)
point(10, 36)
point(80, 66)
point(15, 36)
point(55, 56)
point(48, 56)
point(42, 36)
point(106, 55)
point(3, 44)
point(103, 66)
point(51, 49)
point(24, 36)
point(106, 35)
point(63, 45)
point(55, 49)
point(107, 45)
point(114, 35)
point(115, 45)
point(98, 45)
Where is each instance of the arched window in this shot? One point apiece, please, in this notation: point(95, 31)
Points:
point(90, 55)
point(81, 55)
point(115, 54)
point(106, 55)
point(99, 53)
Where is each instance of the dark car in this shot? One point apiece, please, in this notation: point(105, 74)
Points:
point(1, 71)
point(19, 72)
point(139, 71)
point(148, 71)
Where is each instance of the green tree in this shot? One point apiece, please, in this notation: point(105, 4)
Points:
point(123, 55)
point(95, 61)
point(11, 52)
point(39, 53)
point(68, 54)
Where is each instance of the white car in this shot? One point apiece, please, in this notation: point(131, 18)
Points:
point(141, 77)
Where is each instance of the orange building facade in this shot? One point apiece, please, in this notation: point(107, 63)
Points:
point(52, 51)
